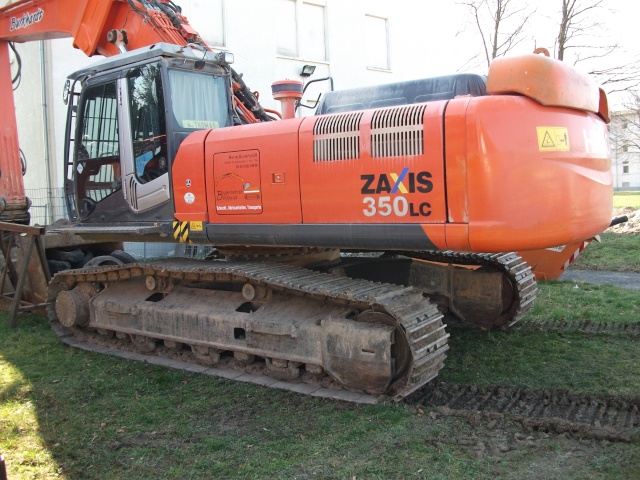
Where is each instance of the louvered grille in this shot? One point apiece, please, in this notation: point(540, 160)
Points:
point(337, 137)
point(133, 193)
point(398, 132)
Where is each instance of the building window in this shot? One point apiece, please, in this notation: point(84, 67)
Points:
point(377, 35)
point(625, 148)
point(207, 18)
point(625, 166)
point(626, 184)
point(301, 29)
point(287, 28)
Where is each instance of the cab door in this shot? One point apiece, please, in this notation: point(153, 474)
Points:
point(143, 138)
point(93, 165)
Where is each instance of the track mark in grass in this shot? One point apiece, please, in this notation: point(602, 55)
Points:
point(600, 417)
point(589, 327)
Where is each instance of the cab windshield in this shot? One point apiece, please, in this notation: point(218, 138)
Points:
point(198, 100)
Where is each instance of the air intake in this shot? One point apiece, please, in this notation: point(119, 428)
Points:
point(337, 137)
point(397, 132)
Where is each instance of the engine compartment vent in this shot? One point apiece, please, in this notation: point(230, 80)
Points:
point(397, 132)
point(337, 137)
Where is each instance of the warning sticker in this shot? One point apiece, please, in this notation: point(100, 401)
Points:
point(553, 139)
point(195, 226)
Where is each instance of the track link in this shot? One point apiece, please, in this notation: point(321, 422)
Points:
point(415, 318)
point(516, 270)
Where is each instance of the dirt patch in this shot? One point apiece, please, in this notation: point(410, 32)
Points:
point(516, 450)
point(631, 226)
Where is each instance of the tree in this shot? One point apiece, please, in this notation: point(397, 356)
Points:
point(501, 25)
point(582, 37)
point(577, 28)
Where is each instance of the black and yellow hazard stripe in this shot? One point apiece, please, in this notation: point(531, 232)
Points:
point(181, 232)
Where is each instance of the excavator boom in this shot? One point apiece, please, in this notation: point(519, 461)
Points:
point(88, 22)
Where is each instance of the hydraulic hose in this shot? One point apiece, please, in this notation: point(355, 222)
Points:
point(248, 99)
point(619, 220)
point(18, 76)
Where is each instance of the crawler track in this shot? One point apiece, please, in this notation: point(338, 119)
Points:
point(583, 416)
point(417, 320)
point(516, 270)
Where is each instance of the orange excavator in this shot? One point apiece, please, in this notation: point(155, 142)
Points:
point(344, 242)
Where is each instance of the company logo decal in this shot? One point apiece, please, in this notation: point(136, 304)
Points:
point(398, 185)
point(26, 20)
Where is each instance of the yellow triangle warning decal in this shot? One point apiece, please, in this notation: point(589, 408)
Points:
point(553, 139)
point(547, 142)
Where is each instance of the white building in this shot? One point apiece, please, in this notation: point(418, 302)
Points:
point(625, 149)
point(356, 42)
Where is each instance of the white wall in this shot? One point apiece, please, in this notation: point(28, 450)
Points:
point(422, 41)
point(63, 59)
point(420, 46)
point(28, 100)
point(625, 132)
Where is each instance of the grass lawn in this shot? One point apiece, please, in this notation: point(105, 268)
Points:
point(626, 199)
point(70, 414)
point(66, 413)
point(563, 302)
point(618, 252)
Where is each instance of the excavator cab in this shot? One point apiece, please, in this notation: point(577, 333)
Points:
point(127, 118)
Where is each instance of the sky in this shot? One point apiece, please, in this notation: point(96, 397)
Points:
point(438, 21)
point(619, 19)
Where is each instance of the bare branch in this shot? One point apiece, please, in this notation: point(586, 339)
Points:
point(582, 38)
point(501, 24)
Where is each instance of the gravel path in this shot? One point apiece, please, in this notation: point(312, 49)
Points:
point(618, 279)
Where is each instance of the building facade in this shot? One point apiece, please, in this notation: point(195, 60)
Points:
point(355, 42)
point(625, 149)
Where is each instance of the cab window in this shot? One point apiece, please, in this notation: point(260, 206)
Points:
point(97, 167)
point(148, 123)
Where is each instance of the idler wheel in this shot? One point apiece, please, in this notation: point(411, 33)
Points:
point(72, 306)
point(401, 351)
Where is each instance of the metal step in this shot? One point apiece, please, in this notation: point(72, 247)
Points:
point(105, 229)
